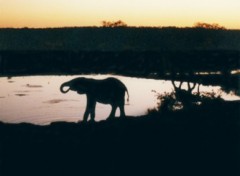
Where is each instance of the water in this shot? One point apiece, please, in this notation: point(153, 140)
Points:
point(37, 99)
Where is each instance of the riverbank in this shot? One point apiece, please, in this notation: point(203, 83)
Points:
point(200, 141)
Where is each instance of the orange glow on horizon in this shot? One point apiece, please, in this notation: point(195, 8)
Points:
point(63, 13)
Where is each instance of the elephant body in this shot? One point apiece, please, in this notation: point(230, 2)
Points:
point(107, 91)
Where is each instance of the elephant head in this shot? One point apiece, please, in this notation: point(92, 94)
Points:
point(77, 84)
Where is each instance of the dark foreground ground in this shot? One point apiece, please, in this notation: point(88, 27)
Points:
point(201, 141)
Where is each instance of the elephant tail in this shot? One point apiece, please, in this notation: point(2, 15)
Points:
point(127, 94)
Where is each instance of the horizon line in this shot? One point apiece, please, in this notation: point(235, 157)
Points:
point(99, 26)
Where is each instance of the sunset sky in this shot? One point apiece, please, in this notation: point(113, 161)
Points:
point(69, 13)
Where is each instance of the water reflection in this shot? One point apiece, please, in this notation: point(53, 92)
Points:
point(21, 95)
point(37, 99)
point(54, 101)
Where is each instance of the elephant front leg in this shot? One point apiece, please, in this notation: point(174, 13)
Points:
point(90, 110)
point(86, 114)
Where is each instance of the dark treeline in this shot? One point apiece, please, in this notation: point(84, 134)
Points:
point(119, 39)
point(142, 63)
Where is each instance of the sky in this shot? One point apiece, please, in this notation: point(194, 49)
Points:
point(159, 13)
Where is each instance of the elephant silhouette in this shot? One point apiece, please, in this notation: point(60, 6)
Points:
point(107, 91)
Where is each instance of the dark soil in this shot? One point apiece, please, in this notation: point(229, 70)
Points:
point(200, 141)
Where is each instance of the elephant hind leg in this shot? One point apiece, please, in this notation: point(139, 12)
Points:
point(121, 107)
point(112, 114)
point(122, 111)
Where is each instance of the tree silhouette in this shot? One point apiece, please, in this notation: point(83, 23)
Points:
point(208, 26)
point(118, 23)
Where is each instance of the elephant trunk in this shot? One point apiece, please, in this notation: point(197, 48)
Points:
point(62, 87)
